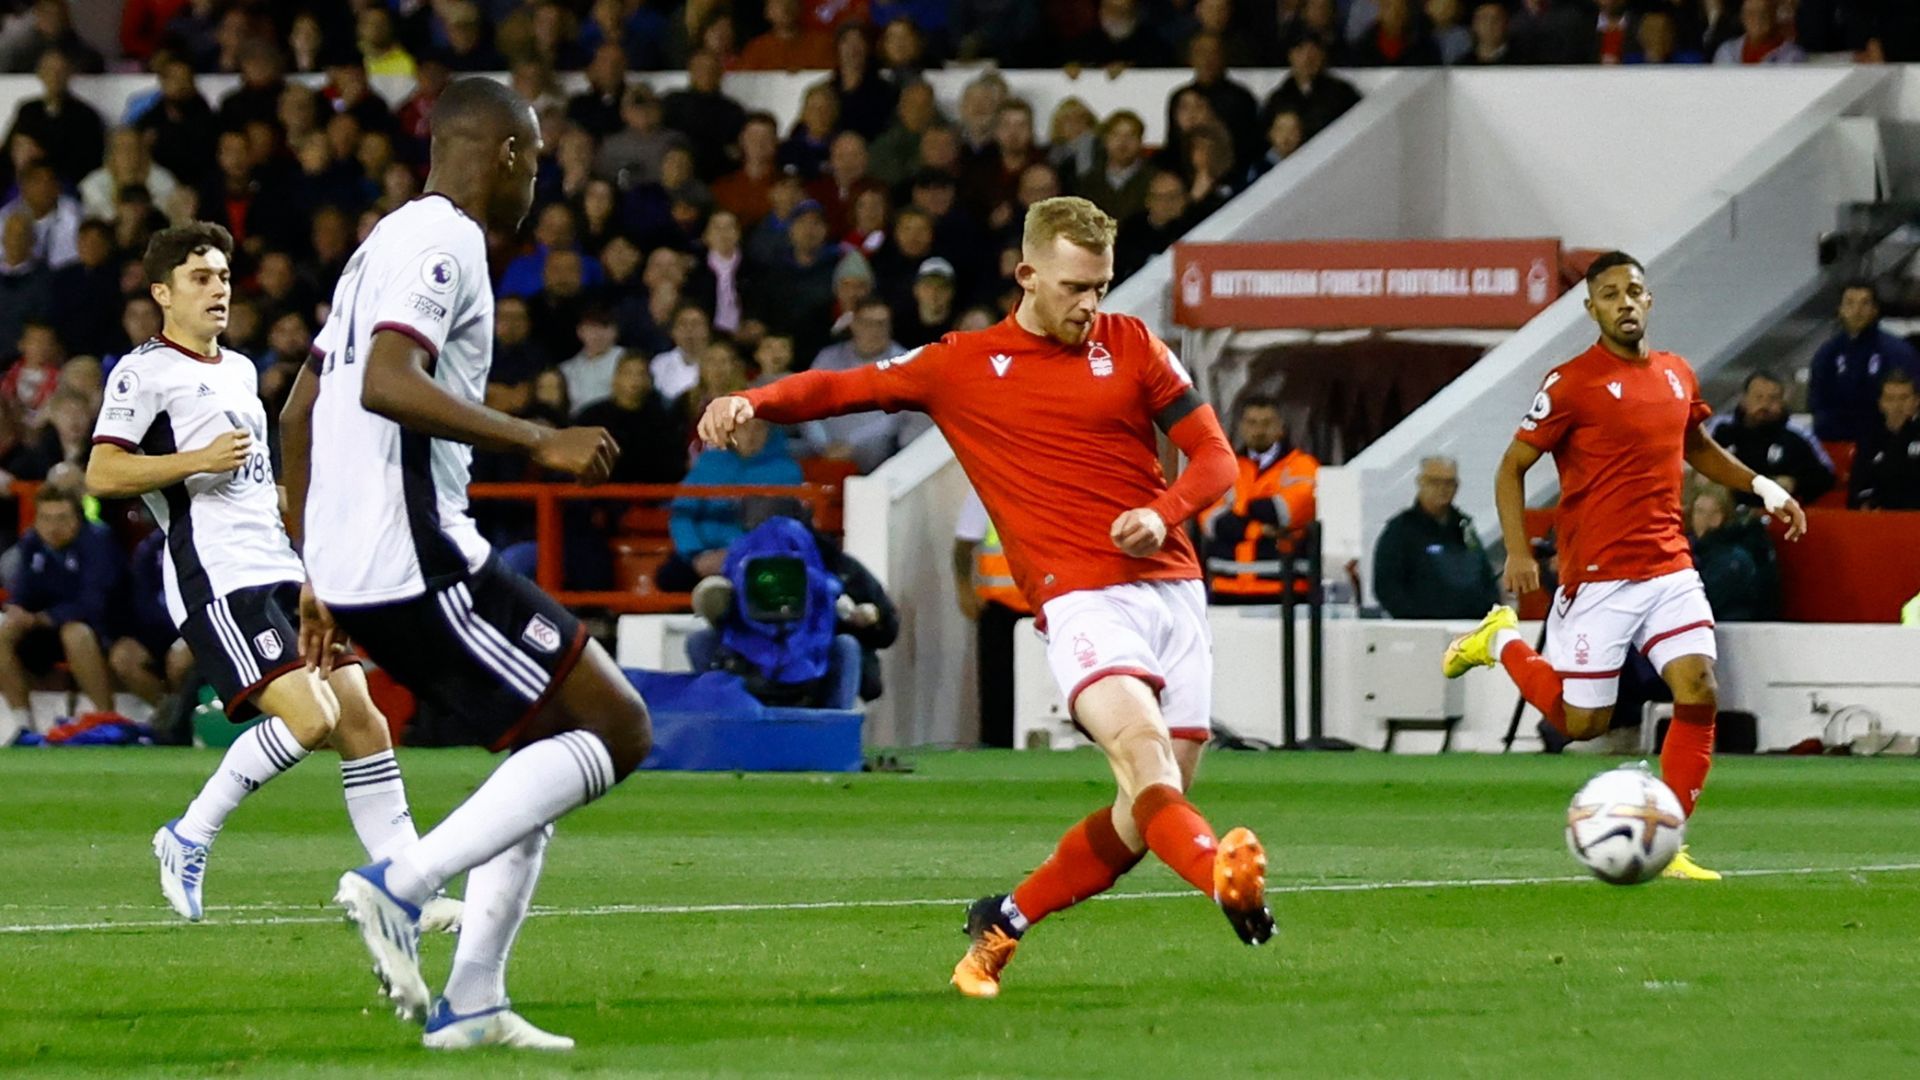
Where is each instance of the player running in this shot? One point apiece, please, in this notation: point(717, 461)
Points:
point(183, 427)
point(1619, 420)
point(1052, 414)
point(394, 397)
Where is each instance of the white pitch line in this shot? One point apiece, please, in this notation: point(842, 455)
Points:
point(604, 910)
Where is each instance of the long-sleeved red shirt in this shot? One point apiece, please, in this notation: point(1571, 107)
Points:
point(1057, 439)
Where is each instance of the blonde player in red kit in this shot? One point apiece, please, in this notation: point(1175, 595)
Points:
point(1052, 414)
point(1621, 420)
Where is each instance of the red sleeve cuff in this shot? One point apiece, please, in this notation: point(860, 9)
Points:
point(115, 440)
point(418, 337)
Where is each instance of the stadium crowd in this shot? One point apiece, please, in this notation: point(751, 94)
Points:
point(682, 246)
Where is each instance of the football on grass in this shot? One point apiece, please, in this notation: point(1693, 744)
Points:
point(1625, 826)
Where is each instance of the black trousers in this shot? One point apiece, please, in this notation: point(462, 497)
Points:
point(995, 663)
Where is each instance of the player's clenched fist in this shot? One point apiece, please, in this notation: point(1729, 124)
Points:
point(1139, 533)
point(227, 452)
point(585, 453)
point(724, 417)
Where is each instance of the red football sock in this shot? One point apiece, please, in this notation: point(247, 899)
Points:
point(1090, 858)
point(1177, 833)
point(1538, 682)
point(1688, 753)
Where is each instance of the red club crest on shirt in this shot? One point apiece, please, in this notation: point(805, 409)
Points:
point(1083, 652)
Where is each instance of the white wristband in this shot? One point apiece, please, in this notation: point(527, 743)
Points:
point(1772, 495)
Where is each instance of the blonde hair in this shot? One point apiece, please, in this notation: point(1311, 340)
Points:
point(1082, 223)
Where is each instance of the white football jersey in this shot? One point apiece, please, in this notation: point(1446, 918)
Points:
point(386, 513)
point(223, 529)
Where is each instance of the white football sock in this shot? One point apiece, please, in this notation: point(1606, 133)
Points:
point(499, 891)
point(377, 803)
point(261, 753)
point(532, 788)
point(1502, 639)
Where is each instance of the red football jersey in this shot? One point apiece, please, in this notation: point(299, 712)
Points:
point(1057, 439)
point(1617, 431)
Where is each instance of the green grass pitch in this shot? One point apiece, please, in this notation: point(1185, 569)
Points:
point(719, 925)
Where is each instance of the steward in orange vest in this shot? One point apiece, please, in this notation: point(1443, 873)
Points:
point(1270, 503)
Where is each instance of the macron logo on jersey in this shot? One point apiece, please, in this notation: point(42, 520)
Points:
point(1001, 362)
point(1614, 388)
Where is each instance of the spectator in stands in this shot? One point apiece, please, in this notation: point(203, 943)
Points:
point(597, 109)
point(1491, 47)
point(773, 356)
point(866, 98)
point(1118, 185)
point(852, 286)
point(803, 305)
point(563, 295)
point(930, 315)
point(1613, 33)
point(180, 128)
point(148, 657)
point(895, 154)
point(517, 356)
point(140, 322)
point(1734, 557)
point(702, 528)
point(631, 155)
point(980, 102)
point(1005, 31)
point(1766, 440)
point(1553, 32)
point(1395, 39)
point(1154, 229)
point(1121, 38)
point(748, 191)
point(721, 277)
point(992, 177)
point(1073, 140)
point(50, 30)
point(1446, 24)
point(788, 45)
point(589, 373)
point(65, 437)
point(844, 180)
point(467, 49)
point(1233, 104)
point(1844, 379)
point(1659, 42)
point(1429, 562)
point(1206, 165)
point(26, 285)
point(810, 142)
point(1886, 468)
point(262, 81)
point(1764, 39)
point(652, 435)
point(128, 162)
point(84, 289)
point(68, 130)
point(69, 571)
point(1284, 137)
point(1714, 23)
point(1317, 97)
point(29, 384)
point(864, 438)
point(709, 119)
point(1271, 500)
point(677, 370)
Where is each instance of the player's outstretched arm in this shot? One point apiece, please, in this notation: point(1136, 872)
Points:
point(1712, 461)
point(397, 386)
point(815, 395)
point(114, 472)
point(1510, 498)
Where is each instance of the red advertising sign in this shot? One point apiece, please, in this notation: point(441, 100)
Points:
point(1348, 284)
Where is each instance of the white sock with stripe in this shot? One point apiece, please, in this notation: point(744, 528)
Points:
point(377, 803)
point(534, 787)
point(261, 753)
point(499, 891)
